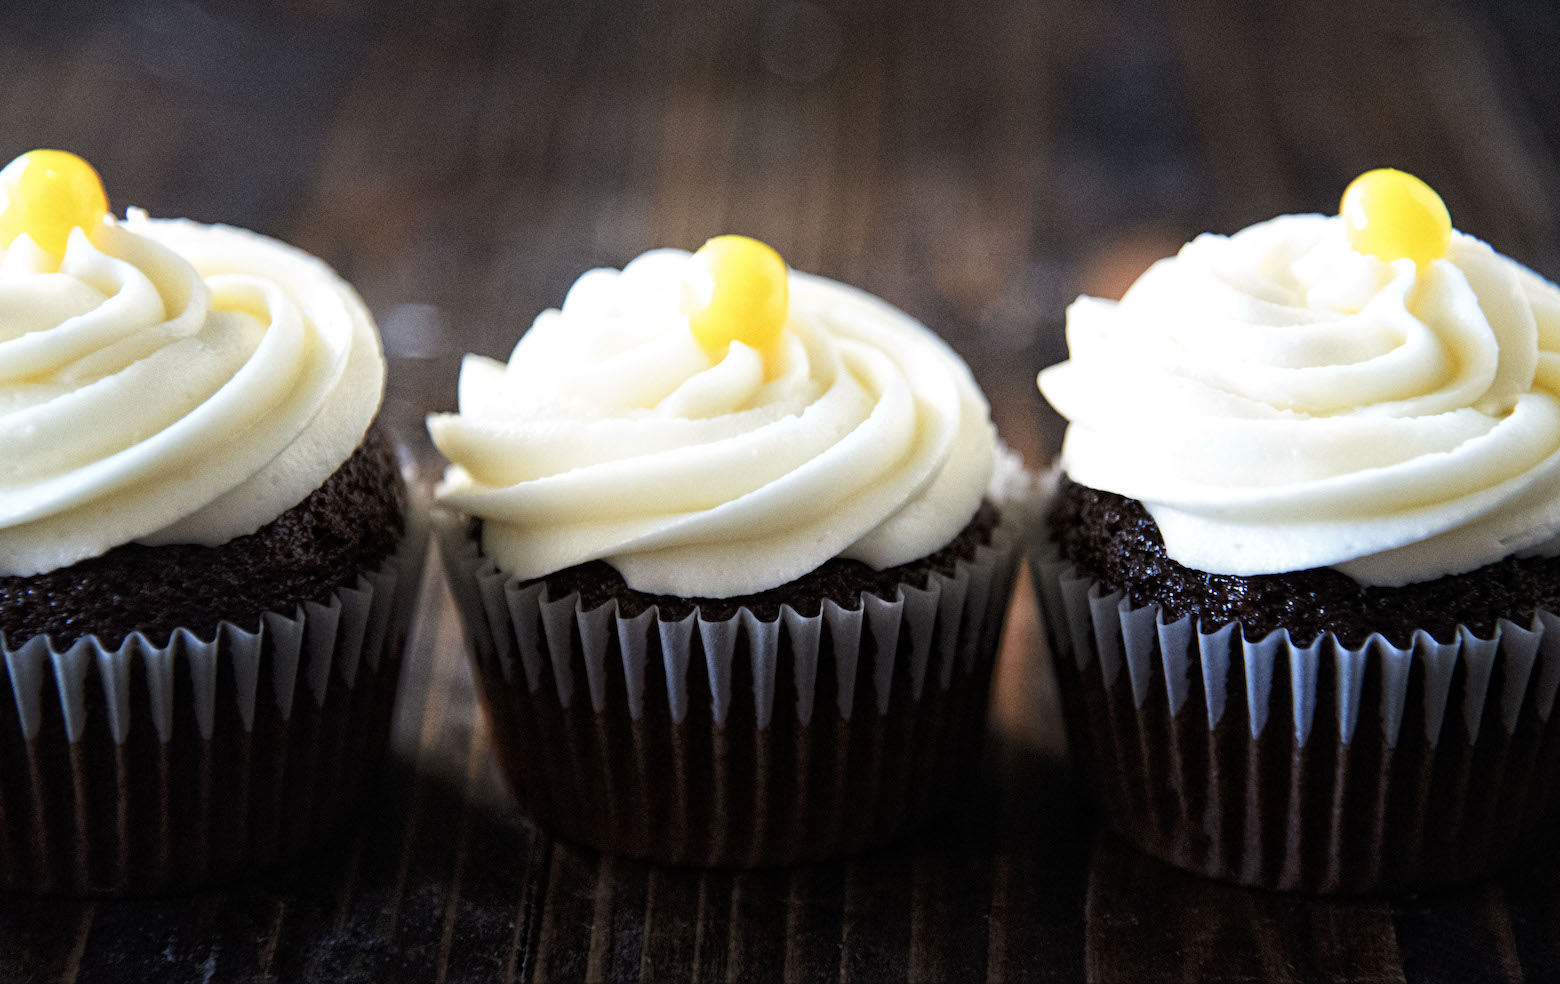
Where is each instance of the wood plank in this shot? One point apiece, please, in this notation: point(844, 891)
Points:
point(1452, 936)
point(129, 942)
point(1150, 923)
point(712, 913)
point(1498, 914)
point(755, 942)
point(948, 938)
point(686, 912)
point(626, 915)
point(562, 947)
point(491, 916)
point(266, 952)
point(1533, 897)
point(1355, 941)
point(478, 752)
point(520, 960)
point(875, 935)
point(1039, 842)
point(813, 924)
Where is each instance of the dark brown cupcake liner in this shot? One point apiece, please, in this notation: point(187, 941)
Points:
point(740, 742)
point(1315, 768)
point(149, 769)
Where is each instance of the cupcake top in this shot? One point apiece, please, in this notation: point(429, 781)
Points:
point(161, 381)
point(715, 425)
point(1372, 391)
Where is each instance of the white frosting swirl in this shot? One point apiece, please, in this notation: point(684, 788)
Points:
point(612, 435)
point(170, 382)
point(1281, 402)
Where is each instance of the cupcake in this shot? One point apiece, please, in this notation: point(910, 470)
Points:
point(203, 545)
point(1310, 503)
point(734, 545)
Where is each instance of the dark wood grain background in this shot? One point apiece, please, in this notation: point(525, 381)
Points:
point(979, 164)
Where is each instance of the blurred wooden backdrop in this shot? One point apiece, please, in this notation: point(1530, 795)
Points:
point(979, 164)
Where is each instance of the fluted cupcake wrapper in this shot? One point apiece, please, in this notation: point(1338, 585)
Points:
point(145, 769)
point(1319, 768)
point(739, 742)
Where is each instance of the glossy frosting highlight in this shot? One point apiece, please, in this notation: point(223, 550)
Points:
point(170, 382)
point(613, 434)
point(1281, 402)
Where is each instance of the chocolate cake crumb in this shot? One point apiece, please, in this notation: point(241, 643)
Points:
point(351, 523)
point(838, 580)
point(1113, 540)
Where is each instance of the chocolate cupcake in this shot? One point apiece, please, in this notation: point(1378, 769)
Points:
point(1309, 506)
point(204, 545)
point(734, 545)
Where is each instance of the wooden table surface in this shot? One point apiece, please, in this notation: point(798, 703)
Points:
point(978, 164)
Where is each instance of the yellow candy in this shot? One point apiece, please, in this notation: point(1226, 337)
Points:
point(738, 290)
point(46, 194)
point(1391, 214)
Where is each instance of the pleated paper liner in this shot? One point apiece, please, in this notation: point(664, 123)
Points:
point(152, 769)
point(1315, 768)
point(739, 742)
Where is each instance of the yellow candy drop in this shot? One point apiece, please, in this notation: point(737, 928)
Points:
point(738, 290)
point(46, 194)
point(1391, 214)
